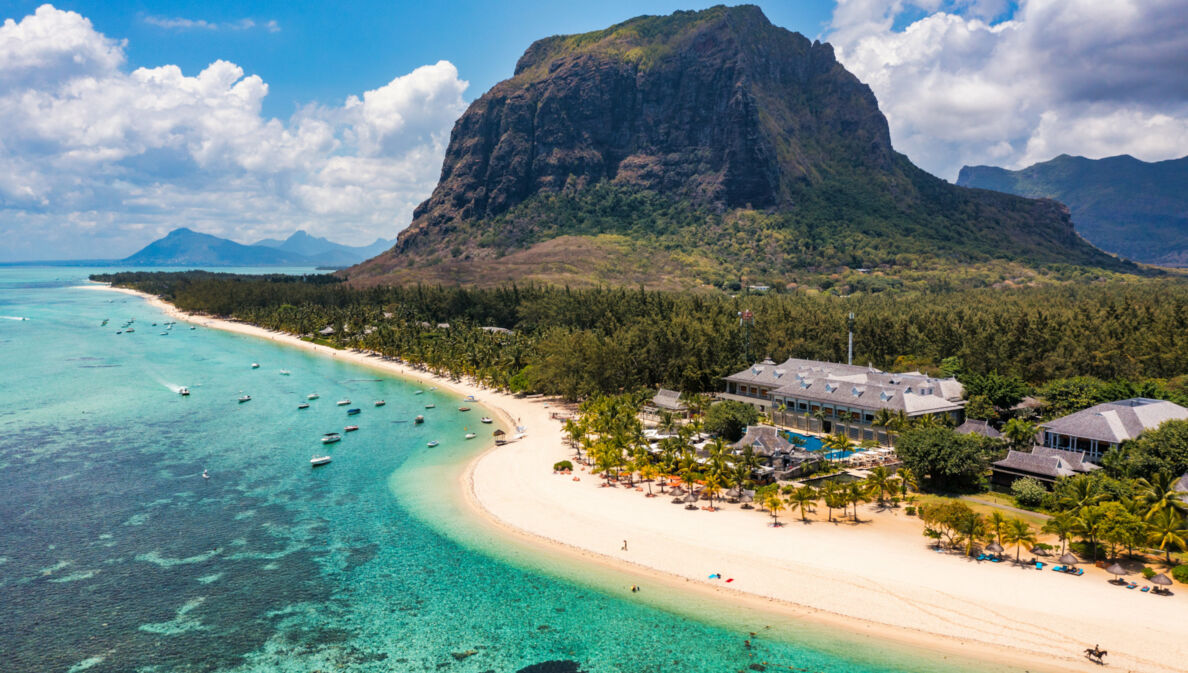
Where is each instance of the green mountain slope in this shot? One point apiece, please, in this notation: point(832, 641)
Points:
point(1133, 208)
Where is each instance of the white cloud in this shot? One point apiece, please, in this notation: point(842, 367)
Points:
point(963, 85)
point(96, 161)
point(182, 23)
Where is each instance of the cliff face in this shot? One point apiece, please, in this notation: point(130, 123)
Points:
point(719, 107)
point(734, 146)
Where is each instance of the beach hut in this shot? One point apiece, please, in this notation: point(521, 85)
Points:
point(1117, 570)
point(1161, 580)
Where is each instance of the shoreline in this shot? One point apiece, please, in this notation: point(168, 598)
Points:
point(932, 609)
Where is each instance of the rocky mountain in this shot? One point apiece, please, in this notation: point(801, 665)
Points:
point(325, 252)
point(1129, 207)
point(185, 247)
point(697, 148)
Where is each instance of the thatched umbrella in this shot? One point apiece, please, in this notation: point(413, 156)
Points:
point(994, 548)
point(1039, 551)
point(1069, 559)
point(1118, 571)
point(1162, 580)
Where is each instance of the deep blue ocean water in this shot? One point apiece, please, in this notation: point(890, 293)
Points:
point(116, 555)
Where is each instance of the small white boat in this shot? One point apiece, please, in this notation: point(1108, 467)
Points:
point(285, 372)
point(205, 474)
point(343, 403)
point(193, 328)
point(311, 396)
point(303, 405)
point(432, 444)
point(471, 435)
point(164, 333)
point(255, 365)
point(130, 330)
point(419, 392)
point(419, 419)
point(380, 403)
point(183, 391)
point(319, 460)
point(331, 437)
point(486, 420)
point(430, 406)
point(245, 398)
point(350, 428)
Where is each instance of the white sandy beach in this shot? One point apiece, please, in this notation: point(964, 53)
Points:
point(878, 578)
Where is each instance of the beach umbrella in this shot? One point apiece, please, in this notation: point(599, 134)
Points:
point(1116, 569)
point(1161, 579)
point(1069, 559)
point(994, 548)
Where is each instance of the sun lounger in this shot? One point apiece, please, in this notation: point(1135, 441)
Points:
point(1039, 565)
point(1145, 589)
point(1058, 568)
point(1080, 571)
point(1131, 585)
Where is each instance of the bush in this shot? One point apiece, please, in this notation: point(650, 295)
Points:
point(941, 459)
point(1180, 573)
point(1028, 492)
point(562, 466)
point(910, 511)
point(1148, 572)
point(730, 419)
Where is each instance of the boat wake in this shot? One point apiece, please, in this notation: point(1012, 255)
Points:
point(12, 317)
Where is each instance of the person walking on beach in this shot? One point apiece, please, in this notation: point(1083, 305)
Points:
point(624, 545)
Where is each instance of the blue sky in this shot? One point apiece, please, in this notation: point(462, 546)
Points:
point(122, 120)
point(325, 51)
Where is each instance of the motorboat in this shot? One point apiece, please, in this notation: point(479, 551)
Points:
point(104, 323)
point(130, 330)
point(343, 403)
point(285, 372)
point(245, 398)
point(183, 391)
point(380, 403)
point(350, 428)
point(331, 437)
point(486, 420)
point(419, 392)
point(317, 461)
point(432, 444)
point(311, 396)
point(430, 406)
point(164, 333)
point(255, 365)
point(193, 328)
point(419, 419)
point(463, 408)
point(353, 412)
point(303, 405)
point(471, 435)
point(205, 474)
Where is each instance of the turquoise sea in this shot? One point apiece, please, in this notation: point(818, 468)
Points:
point(116, 554)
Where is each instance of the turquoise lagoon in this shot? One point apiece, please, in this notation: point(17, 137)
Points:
point(116, 555)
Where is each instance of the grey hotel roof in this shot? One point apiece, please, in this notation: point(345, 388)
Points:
point(1116, 422)
point(1047, 462)
point(854, 386)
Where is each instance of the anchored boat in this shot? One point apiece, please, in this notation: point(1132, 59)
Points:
point(318, 461)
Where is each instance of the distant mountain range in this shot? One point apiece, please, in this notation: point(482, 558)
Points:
point(1133, 208)
point(699, 148)
point(185, 247)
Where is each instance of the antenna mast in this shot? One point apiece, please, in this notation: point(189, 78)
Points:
point(850, 328)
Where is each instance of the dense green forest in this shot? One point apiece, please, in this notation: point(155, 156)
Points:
point(1079, 343)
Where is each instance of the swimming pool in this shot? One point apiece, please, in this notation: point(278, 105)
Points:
point(811, 443)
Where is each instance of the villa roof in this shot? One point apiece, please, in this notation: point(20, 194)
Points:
point(1046, 462)
point(668, 399)
point(1116, 422)
point(327, 330)
point(972, 426)
point(765, 440)
point(854, 386)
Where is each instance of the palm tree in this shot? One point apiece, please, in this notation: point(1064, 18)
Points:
point(1081, 492)
point(884, 419)
point(1089, 523)
point(1019, 533)
point(881, 482)
point(819, 414)
point(1159, 493)
point(1062, 525)
point(804, 498)
point(971, 527)
point(995, 523)
point(836, 442)
point(830, 492)
point(667, 421)
point(1019, 432)
point(857, 492)
point(1169, 531)
point(648, 472)
point(775, 504)
point(712, 488)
